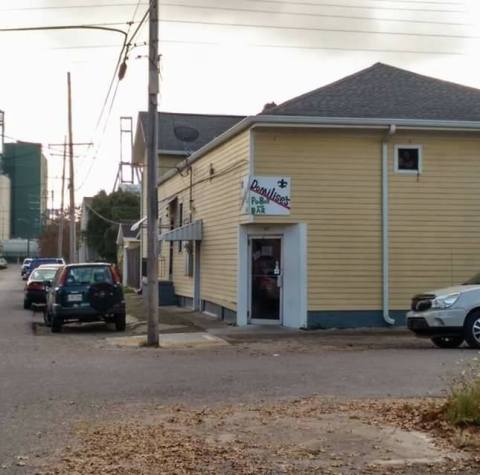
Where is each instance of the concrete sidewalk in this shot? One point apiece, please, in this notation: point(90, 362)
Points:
point(181, 320)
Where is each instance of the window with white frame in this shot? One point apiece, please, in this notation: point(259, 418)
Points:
point(408, 159)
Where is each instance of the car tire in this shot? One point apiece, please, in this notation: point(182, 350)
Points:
point(472, 329)
point(27, 304)
point(447, 341)
point(56, 325)
point(120, 322)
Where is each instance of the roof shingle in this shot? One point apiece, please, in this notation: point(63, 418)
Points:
point(208, 126)
point(383, 91)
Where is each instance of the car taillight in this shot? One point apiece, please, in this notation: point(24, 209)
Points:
point(35, 286)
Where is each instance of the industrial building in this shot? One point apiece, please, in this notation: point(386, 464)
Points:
point(26, 167)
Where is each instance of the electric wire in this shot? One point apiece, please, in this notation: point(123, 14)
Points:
point(277, 2)
point(115, 77)
point(326, 30)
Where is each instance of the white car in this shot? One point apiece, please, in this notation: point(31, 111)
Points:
point(3, 263)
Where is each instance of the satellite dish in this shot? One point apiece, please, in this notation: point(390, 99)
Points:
point(185, 133)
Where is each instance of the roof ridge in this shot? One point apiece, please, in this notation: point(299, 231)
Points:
point(324, 87)
point(376, 65)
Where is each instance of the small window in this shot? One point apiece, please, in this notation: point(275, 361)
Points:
point(408, 159)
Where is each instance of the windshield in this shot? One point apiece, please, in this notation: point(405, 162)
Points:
point(475, 280)
point(43, 274)
point(89, 275)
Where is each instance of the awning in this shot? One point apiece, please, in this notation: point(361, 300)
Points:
point(188, 232)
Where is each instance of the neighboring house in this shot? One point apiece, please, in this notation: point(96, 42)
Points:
point(85, 252)
point(331, 209)
point(26, 166)
point(179, 135)
point(128, 255)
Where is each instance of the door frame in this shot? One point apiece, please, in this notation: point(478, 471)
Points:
point(264, 321)
point(295, 283)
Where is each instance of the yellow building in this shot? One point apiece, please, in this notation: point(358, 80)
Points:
point(332, 209)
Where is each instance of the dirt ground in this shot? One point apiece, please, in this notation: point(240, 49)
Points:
point(305, 436)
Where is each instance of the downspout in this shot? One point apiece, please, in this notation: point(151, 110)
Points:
point(385, 225)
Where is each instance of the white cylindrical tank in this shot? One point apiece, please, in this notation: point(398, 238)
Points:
point(4, 207)
point(20, 248)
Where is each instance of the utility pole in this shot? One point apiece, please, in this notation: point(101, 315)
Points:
point(152, 198)
point(71, 184)
point(62, 205)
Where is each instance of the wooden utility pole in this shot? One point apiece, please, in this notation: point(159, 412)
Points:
point(71, 185)
point(152, 197)
point(62, 205)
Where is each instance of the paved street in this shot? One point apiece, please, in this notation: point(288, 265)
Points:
point(48, 381)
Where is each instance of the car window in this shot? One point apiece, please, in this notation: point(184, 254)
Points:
point(89, 275)
point(43, 274)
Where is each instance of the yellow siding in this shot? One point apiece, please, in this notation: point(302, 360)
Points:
point(336, 186)
point(435, 217)
point(165, 163)
point(336, 190)
point(216, 201)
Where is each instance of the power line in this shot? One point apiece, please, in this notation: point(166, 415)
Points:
point(311, 14)
point(360, 7)
point(326, 30)
point(277, 2)
point(324, 48)
point(107, 220)
point(115, 77)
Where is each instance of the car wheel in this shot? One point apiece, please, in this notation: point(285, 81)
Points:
point(472, 330)
point(26, 304)
point(120, 322)
point(56, 325)
point(447, 341)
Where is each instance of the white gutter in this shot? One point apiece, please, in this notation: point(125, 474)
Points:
point(385, 228)
point(323, 122)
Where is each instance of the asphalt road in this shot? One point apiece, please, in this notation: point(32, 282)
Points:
point(48, 381)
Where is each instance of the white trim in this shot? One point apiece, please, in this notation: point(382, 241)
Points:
point(295, 290)
point(418, 147)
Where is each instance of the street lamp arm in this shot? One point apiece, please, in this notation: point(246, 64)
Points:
point(65, 27)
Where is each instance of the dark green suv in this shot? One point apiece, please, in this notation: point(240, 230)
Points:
point(85, 293)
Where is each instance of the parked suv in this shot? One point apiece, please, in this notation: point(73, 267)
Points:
point(85, 293)
point(448, 316)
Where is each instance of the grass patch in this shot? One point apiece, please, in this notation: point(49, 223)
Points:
point(463, 405)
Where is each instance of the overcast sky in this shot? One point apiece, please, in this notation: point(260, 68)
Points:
point(227, 57)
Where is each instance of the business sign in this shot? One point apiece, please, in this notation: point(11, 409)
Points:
point(268, 195)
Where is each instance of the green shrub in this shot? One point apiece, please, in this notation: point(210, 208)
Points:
point(463, 404)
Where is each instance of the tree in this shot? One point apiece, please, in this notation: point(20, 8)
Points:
point(117, 207)
point(48, 239)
